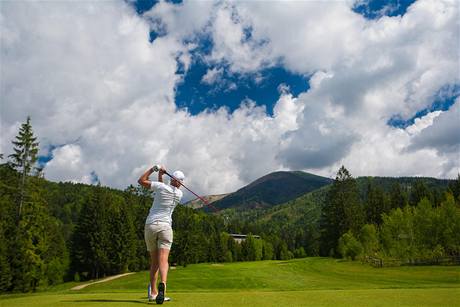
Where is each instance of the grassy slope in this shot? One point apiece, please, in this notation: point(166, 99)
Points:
point(301, 282)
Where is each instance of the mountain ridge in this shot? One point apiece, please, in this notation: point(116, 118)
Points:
point(272, 189)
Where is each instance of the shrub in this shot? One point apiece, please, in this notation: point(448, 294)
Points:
point(349, 246)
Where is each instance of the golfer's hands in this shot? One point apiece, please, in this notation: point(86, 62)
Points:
point(161, 171)
point(159, 168)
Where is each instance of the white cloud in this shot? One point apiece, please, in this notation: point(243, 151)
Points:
point(69, 157)
point(443, 135)
point(212, 76)
point(422, 122)
point(183, 20)
point(79, 79)
point(89, 78)
point(231, 44)
point(368, 72)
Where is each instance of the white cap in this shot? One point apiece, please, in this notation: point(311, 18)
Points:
point(179, 175)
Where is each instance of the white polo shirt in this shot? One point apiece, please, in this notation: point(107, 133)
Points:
point(165, 200)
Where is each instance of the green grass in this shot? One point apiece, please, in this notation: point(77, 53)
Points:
point(300, 282)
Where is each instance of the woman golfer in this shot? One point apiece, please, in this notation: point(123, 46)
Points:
point(158, 232)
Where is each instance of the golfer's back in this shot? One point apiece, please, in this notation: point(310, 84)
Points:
point(165, 200)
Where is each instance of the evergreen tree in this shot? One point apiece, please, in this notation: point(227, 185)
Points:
point(122, 238)
point(8, 190)
point(398, 198)
point(455, 188)
point(56, 257)
point(188, 237)
point(139, 200)
point(30, 245)
point(5, 268)
point(376, 204)
point(90, 245)
point(419, 191)
point(24, 157)
point(342, 212)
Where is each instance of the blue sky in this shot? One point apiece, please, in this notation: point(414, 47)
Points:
point(197, 96)
point(441, 101)
point(372, 9)
point(233, 88)
point(372, 85)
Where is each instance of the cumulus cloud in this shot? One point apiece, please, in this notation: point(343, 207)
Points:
point(80, 80)
point(69, 157)
point(110, 90)
point(422, 122)
point(443, 135)
point(92, 82)
point(322, 138)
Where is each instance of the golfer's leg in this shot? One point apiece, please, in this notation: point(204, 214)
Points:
point(163, 254)
point(154, 265)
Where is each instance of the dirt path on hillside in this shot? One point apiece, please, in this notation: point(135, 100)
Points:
point(99, 281)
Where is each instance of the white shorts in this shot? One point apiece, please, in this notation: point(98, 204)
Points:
point(158, 235)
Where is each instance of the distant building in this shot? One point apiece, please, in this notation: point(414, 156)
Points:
point(240, 238)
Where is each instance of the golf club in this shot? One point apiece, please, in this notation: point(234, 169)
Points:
point(199, 197)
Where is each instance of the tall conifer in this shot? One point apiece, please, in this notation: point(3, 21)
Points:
point(342, 212)
point(24, 157)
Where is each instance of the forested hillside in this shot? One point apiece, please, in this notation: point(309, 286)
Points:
point(272, 189)
point(313, 223)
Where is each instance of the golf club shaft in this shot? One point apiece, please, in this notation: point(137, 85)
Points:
point(201, 198)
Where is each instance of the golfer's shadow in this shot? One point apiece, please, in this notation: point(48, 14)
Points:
point(108, 301)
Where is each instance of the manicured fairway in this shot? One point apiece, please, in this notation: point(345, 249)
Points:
point(300, 282)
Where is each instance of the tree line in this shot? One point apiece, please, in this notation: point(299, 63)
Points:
point(55, 232)
point(336, 221)
point(407, 225)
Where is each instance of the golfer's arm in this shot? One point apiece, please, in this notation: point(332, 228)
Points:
point(144, 179)
point(160, 175)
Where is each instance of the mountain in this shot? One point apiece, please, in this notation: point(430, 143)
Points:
point(298, 220)
point(306, 208)
point(272, 189)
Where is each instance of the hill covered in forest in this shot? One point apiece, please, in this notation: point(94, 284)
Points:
point(272, 189)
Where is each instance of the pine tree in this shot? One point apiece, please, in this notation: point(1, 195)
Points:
point(455, 188)
point(5, 267)
point(376, 204)
point(31, 244)
point(342, 212)
point(91, 237)
point(419, 191)
point(8, 187)
point(398, 198)
point(139, 200)
point(121, 228)
point(25, 156)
